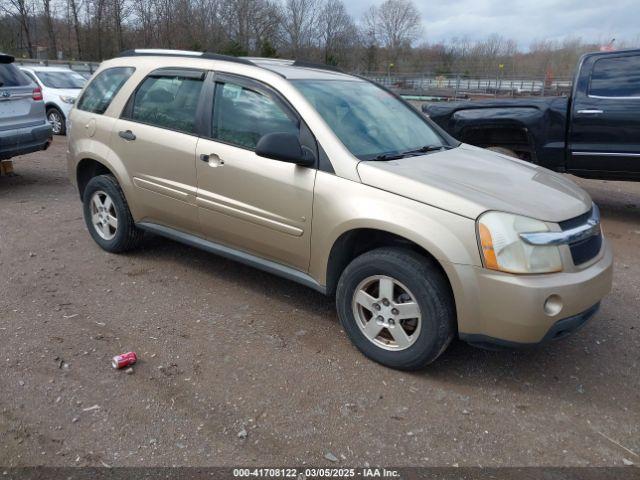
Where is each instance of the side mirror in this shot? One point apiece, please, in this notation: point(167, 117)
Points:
point(284, 147)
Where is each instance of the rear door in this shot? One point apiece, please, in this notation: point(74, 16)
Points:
point(604, 132)
point(156, 138)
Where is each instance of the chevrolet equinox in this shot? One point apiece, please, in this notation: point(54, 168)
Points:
point(336, 183)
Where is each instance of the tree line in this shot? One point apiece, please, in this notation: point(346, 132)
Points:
point(385, 39)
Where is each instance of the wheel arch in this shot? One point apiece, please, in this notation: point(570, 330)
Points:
point(357, 241)
point(50, 105)
point(87, 169)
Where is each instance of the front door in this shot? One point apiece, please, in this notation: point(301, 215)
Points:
point(254, 204)
point(156, 137)
point(605, 123)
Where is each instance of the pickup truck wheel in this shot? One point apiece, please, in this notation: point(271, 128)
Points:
point(504, 151)
point(107, 215)
point(397, 307)
point(57, 121)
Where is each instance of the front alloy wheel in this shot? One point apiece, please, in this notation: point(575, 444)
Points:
point(387, 312)
point(57, 121)
point(397, 307)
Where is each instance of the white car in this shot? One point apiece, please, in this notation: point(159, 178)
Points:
point(60, 87)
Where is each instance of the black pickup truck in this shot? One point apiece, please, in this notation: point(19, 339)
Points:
point(594, 133)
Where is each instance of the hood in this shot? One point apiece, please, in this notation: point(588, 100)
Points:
point(469, 181)
point(65, 92)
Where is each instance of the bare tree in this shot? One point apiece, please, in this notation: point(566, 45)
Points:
point(336, 29)
point(120, 11)
point(74, 9)
point(21, 10)
point(299, 24)
point(48, 18)
point(393, 25)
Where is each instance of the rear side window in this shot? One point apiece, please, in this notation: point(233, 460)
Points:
point(10, 76)
point(168, 101)
point(616, 77)
point(99, 93)
point(243, 114)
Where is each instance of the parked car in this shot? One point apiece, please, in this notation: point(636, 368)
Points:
point(60, 88)
point(594, 133)
point(23, 125)
point(333, 182)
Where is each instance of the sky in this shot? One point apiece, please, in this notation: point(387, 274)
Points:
point(523, 20)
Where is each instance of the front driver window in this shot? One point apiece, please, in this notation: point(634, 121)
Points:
point(243, 115)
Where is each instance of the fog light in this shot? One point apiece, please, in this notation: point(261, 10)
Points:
point(553, 305)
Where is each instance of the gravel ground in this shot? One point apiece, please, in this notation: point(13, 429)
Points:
point(241, 367)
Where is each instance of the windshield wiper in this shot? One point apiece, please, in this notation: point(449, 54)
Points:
point(408, 153)
point(426, 149)
point(388, 156)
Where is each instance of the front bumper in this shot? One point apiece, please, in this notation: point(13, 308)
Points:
point(502, 309)
point(558, 330)
point(21, 141)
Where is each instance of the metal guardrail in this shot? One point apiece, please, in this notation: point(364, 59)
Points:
point(78, 66)
point(460, 86)
point(412, 84)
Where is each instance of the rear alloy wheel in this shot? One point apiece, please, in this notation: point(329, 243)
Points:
point(397, 307)
point(56, 119)
point(107, 215)
point(103, 215)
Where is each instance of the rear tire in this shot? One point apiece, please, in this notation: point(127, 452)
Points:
point(107, 215)
point(426, 330)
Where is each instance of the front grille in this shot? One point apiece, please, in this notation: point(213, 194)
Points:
point(576, 221)
point(583, 250)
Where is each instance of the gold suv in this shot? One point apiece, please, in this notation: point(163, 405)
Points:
point(334, 182)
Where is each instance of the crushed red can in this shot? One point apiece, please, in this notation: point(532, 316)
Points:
point(124, 360)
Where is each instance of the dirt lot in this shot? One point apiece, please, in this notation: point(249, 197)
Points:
point(241, 367)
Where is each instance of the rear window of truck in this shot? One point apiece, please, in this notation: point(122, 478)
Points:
point(616, 77)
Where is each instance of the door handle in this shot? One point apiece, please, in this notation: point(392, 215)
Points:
point(591, 112)
point(127, 135)
point(212, 159)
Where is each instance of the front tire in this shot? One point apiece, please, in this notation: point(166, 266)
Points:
point(107, 215)
point(396, 307)
point(57, 121)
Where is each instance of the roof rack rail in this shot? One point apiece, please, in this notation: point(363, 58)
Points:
point(183, 53)
point(318, 66)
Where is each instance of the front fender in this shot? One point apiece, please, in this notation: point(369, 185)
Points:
point(342, 205)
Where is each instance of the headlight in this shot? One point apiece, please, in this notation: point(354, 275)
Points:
point(66, 99)
point(502, 248)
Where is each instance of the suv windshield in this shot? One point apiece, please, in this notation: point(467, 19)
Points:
point(371, 122)
point(62, 79)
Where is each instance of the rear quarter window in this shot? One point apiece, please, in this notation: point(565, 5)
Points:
point(103, 88)
point(10, 76)
point(616, 77)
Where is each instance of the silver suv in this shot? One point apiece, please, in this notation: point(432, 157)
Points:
point(23, 125)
